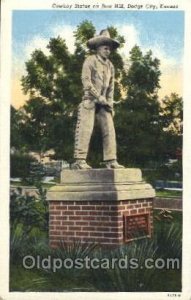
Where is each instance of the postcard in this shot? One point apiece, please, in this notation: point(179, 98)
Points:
point(95, 149)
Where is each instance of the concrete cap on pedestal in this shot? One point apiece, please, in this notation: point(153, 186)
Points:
point(101, 184)
point(101, 176)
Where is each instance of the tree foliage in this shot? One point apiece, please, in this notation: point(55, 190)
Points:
point(172, 112)
point(53, 85)
point(138, 121)
point(29, 212)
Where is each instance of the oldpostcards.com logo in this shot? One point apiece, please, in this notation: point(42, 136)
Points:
point(55, 264)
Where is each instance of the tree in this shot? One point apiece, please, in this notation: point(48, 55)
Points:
point(53, 83)
point(172, 112)
point(17, 141)
point(138, 121)
point(172, 118)
point(49, 112)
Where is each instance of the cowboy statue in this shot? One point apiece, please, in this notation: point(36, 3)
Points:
point(98, 76)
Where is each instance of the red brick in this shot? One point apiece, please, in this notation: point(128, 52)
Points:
point(62, 218)
point(116, 218)
point(88, 228)
point(67, 213)
point(121, 207)
point(138, 205)
point(54, 232)
point(96, 234)
point(69, 233)
point(64, 229)
point(65, 218)
point(74, 207)
point(95, 213)
point(111, 234)
point(103, 218)
point(102, 229)
point(61, 228)
point(119, 224)
point(81, 213)
point(82, 233)
point(68, 223)
point(111, 224)
point(82, 202)
point(102, 207)
point(88, 207)
point(67, 202)
point(63, 206)
point(126, 212)
point(82, 223)
point(130, 206)
point(54, 223)
point(74, 228)
point(51, 227)
point(89, 218)
point(75, 218)
point(56, 212)
point(114, 229)
point(59, 207)
point(52, 207)
point(111, 213)
point(95, 223)
point(98, 223)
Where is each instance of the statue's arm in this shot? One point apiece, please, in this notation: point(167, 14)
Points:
point(110, 91)
point(86, 78)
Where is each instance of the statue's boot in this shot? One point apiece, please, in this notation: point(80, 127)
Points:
point(112, 164)
point(80, 164)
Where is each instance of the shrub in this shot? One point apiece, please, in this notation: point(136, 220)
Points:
point(29, 212)
point(20, 165)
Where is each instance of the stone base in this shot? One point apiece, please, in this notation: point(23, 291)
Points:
point(108, 207)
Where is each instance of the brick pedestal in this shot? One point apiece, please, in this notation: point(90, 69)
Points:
point(108, 207)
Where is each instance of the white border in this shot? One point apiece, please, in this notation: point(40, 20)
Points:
point(7, 6)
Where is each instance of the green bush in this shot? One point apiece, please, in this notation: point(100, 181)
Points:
point(98, 280)
point(20, 165)
point(30, 213)
point(164, 172)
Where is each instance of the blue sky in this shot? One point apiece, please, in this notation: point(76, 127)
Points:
point(161, 31)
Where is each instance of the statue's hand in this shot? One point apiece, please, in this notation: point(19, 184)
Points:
point(109, 106)
point(102, 100)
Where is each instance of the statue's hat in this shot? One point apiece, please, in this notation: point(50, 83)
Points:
point(102, 39)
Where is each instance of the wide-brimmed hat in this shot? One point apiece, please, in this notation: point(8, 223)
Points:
point(102, 39)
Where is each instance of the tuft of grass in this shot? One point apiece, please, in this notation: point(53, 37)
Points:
point(168, 193)
point(130, 277)
point(166, 243)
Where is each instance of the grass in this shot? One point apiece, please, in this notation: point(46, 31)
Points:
point(37, 280)
point(166, 243)
point(168, 193)
point(18, 184)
